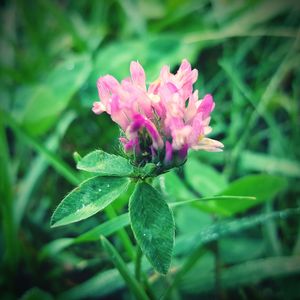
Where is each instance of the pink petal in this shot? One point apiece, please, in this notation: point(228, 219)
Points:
point(184, 67)
point(169, 152)
point(206, 106)
point(139, 122)
point(106, 86)
point(165, 73)
point(98, 108)
point(209, 145)
point(118, 114)
point(138, 74)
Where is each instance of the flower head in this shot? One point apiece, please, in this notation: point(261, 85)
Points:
point(162, 121)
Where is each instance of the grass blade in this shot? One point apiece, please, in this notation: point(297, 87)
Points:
point(121, 266)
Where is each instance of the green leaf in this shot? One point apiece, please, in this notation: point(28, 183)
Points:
point(186, 244)
point(191, 220)
point(267, 163)
point(261, 187)
point(52, 159)
point(90, 197)
point(238, 249)
point(55, 247)
point(204, 178)
point(213, 198)
point(98, 286)
point(244, 274)
point(153, 225)
point(107, 282)
point(176, 188)
point(105, 164)
point(121, 266)
point(152, 52)
point(35, 294)
point(38, 166)
point(48, 99)
point(106, 229)
point(147, 170)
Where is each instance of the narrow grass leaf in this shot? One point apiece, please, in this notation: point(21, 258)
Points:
point(106, 229)
point(55, 247)
point(52, 159)
point(214, 198)
point(38, 167)
point(100, 285)
point(267, 163)
point(248, 273)
point(132, 283)
point(185, 244)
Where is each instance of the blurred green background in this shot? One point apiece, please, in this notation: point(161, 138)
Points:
point(247, 54)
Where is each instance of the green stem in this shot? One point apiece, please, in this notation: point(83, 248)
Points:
point(111, 214)
point(60, 166)
point(148, 287)
point(138, 263)
point(7, 215)
point(117, 260)
point(218, 265)
point(189, 263)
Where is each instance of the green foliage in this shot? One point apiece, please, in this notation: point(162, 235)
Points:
point(236, 212)
point(91, 196)
point(110, 281)
point(105, 164)
point(153, 225)
point(261, 187)
point(125, 273)
point(268, 163)
point(46, 101)
point(106, 229)
point(223, 228)
point(204, 178)
point(242, 274)
point(152, 52)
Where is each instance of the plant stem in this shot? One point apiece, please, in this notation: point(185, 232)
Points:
point(60, 166)
point(218, 266)
point(218, 285)
point(189, 263)
point(111, 213)
point(117, 260)
point(6, 209)
point(138, 263)
point(148, 287)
